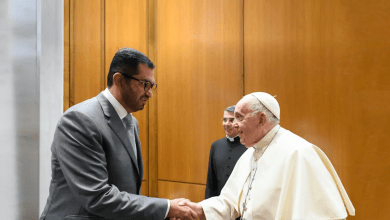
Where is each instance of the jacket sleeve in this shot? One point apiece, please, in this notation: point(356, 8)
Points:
point(212, 182)
point(78, 145)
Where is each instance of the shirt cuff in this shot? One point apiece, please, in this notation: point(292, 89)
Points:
point(169, 206)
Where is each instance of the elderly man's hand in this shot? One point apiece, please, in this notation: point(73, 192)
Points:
point(181, 212)
point(194, 206)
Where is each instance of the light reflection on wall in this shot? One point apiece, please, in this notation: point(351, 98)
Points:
point(19, 110)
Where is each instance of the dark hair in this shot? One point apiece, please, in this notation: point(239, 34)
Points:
point(230, 109)
point(127, 61)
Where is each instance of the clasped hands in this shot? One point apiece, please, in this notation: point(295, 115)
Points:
point(184, 209)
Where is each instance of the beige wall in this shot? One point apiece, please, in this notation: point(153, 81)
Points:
point(327, 62)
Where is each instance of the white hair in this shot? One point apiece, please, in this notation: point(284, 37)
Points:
point(256, 106)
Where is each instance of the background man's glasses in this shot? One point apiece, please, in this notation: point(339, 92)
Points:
point(147, 85)
point(227, 120)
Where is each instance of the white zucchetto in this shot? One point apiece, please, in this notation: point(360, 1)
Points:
point(269, 102)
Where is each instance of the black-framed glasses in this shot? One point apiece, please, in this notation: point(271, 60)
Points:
point(147, 85)
point(224, 120)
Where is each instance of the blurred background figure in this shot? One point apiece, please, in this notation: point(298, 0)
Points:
point(224, 154)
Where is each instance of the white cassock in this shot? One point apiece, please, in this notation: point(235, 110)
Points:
point(294, 180)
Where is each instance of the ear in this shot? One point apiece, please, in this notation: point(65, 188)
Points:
point(262, 118)
point(118, 79)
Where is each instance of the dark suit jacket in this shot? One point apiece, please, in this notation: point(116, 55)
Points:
point(94, 171)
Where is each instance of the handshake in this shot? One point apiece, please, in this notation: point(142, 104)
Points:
point(184, 209)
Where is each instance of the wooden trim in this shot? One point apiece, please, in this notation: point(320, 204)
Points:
point(103, 44)
point(243, 48)
point(66, 53)
point(71, 54)
point(172, 190)
point(153, 132)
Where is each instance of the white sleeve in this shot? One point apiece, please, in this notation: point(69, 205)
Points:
point(218, 208)
point(225, 206)
point(169, 206)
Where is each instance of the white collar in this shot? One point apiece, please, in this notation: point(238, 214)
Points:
point(120, 110)
point(231, 139)
point(267, 138)
point(261, 146)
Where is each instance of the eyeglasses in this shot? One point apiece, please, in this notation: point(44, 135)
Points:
point(224, 120)
point(147, 85)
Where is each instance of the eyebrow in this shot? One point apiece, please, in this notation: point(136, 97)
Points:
point(148, 81)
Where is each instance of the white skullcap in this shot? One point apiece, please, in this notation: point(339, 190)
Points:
point(269, 102)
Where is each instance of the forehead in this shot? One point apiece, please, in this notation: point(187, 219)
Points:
point(242, 107)
point(145, 73)
point(228, 114)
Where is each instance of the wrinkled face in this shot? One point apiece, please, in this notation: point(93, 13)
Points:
point(227, 123)
point(246, 124)
point(133, 93)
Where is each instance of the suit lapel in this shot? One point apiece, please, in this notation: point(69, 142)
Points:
point(117, 126)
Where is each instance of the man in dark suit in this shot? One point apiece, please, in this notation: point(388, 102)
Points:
point(96, 153)
point(224, 154)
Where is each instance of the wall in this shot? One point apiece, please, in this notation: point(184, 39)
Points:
point(19, 111)
point(51, 79)
point(327, 62)
point(31, 76)
point(200, 69)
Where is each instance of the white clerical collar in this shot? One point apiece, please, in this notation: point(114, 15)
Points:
point(120, 110)
point(231, 139)
point(267, 138)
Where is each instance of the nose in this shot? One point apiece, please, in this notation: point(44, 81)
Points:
point(235, 124)
point(149, 93)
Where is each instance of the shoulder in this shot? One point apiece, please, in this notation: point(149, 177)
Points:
point(89, 106)
point(292, 144)
point(219, 143)
point(86, 113)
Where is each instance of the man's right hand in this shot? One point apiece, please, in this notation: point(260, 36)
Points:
point(194, 206)
point(181, 212)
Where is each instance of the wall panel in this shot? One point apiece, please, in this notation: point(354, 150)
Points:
point(326, 62)
point(126, 25)
point(86, 50)
point(20, 67)
point(200, 67)
point(145, 188)
point(153, 130)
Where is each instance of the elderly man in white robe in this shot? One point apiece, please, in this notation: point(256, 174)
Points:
point(281, 176)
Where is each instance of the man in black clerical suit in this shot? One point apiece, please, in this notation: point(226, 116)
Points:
point(224, 154)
